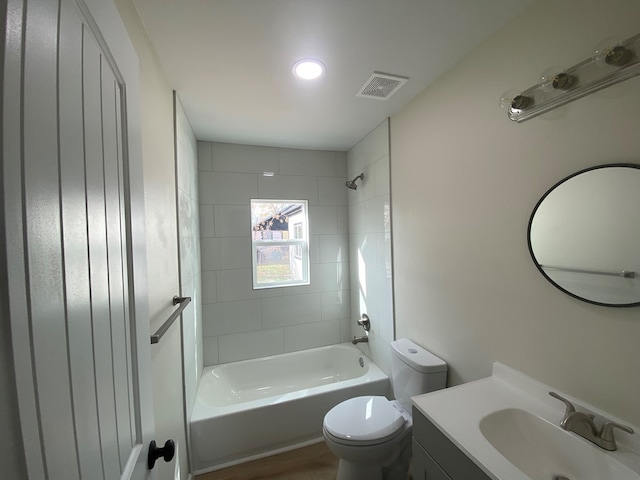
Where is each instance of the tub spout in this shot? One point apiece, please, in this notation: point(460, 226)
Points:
point(364, 338)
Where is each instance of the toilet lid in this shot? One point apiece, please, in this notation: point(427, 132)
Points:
point(363, 418)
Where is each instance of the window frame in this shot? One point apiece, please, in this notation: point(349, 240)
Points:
point(301, 244)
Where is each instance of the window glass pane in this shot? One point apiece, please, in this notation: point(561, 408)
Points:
point(278, 263)
point(279, 234)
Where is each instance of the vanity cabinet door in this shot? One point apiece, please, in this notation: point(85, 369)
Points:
point(423, 467)
point(449, 461)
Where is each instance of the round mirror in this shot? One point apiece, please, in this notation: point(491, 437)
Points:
point(584, 235)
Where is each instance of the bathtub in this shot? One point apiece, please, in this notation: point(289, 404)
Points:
point(254, 408)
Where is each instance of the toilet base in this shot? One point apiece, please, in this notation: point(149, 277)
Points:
point(398, 470)
point(358, 471)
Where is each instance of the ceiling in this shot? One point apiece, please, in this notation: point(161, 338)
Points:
point(230, 61)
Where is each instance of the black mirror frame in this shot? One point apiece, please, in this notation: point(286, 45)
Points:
point(533, 213)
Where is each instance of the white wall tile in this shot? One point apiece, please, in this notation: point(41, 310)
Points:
point(206, 221)
point(341, 162)
point(187, 261)
point(210, 351)
point(243, 346)
point(370, 281)
point(233, 317)
point(307, 162)
point(314, 249)
point(301, 337)
point(332, 191)
point(336, 305)
point(334, 248)
point(205, 160)
point(374, 212)
point(333, 276)
point(383, 241)
point(224, 188)
point(359, 305)
point(290, 310)
point(371, 148)
point(343, 219)
point(356, 218)
point(208, 320)
point(209, 286)
point(185, 214)
point(185, 172)
point(236, 252)
point(237, 284)
point(211, 253)
point(289, 187)
point(232, 220)
point(325, 277)
point(356, 278)
point(367, 189)
point(345, 329)
point(233, 308)
point(383, 181)
point(229, 157)
point(323, 219)
point(234, 285)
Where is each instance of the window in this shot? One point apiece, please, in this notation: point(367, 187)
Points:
point(280, 243)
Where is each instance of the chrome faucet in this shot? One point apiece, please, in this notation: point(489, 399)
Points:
point(583, 424)
point(366, 324)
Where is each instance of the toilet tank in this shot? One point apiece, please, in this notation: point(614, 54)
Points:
point(414, 371)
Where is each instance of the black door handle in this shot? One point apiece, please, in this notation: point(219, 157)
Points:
point(156, 452)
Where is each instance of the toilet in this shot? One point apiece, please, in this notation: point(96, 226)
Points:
point(371, 435)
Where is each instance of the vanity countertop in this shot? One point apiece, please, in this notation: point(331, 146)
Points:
point(457, 412)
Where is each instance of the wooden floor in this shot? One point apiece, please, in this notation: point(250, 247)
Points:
point(315, 462)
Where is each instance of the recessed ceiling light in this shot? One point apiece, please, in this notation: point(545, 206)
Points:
point(308, 69)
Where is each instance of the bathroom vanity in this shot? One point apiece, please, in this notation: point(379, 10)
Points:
point(435, 457)
point(507, 427)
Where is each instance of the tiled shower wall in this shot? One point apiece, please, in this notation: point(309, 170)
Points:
point(189, 241)
point(370, 243)
point(239, 322)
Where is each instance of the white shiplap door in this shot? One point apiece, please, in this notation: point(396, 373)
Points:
point(74, 230)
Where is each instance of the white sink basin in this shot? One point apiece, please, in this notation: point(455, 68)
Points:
point(544, 451)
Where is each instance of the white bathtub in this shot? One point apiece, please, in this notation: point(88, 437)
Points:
point(253, 408)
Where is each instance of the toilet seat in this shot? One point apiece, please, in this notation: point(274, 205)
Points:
point(366, 420)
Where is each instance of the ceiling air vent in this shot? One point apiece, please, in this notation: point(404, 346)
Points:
point(381, 86)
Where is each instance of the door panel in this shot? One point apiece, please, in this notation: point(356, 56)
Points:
point(72, 200)
point(43, 261)
point(75, 242)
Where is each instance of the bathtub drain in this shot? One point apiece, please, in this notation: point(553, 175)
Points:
point(559, 477)
point(361, 362)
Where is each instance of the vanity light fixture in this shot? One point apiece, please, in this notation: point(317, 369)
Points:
point(610, 65)
point(308, 69)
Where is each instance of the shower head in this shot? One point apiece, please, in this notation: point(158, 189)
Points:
point(351, 184)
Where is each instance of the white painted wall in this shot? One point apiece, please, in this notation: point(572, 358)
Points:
point(162, 234)
point(370, 244)
point(239, 322)
point(465, 180)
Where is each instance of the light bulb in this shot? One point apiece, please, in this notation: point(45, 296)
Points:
point(308, 69)
point(514, 102)
point(611, 52)
point(555, 78)
point(507, 98)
